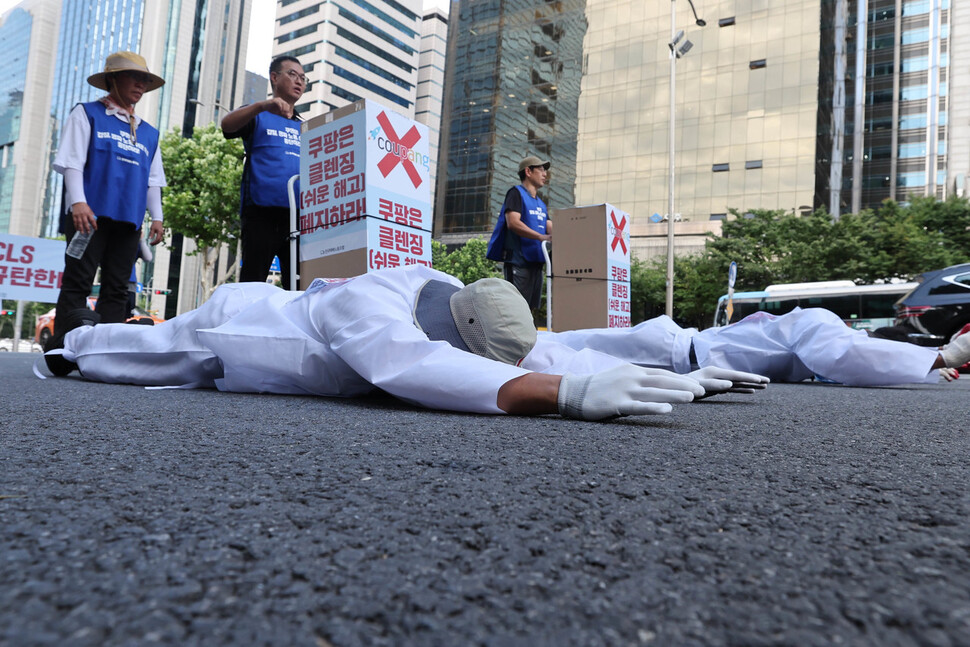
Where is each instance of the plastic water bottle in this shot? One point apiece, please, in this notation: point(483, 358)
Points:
point(79, 243)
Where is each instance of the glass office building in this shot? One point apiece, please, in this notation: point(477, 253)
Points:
point(512, 90)
point(89, 32)
point(745, 109)
point(896, 85)
point(15, 36)
point(765, 107)
point(431, 80)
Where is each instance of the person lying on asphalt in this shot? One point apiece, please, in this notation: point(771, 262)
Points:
point(413, 332)
point(421, 336)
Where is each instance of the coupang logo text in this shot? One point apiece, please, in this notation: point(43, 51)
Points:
point(399, 150)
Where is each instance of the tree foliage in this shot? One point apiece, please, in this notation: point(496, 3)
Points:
point(467, 263)
point(202, 198)
point(31, 310)
point(892, 242)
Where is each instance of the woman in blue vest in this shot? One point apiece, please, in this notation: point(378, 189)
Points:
point(112, 169)
point(270, 131)
point(522, 225)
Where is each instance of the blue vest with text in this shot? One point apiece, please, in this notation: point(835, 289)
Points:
point(534, 216)
point(116, 171)
point(272, 158)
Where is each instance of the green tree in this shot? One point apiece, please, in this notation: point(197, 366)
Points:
point(950, 219)
point(648, 284)
point(899, 246)
point(31, 310)
point(202, 198)
point(698, 282)
point(893, 242)
point(467, 263)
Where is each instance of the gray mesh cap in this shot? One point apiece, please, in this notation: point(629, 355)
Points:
point(488, 318)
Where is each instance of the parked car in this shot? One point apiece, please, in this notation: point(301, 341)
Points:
point(45, 322)
point(25, 346)
point(938, 308)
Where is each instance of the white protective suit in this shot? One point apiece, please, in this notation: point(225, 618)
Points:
point(785, 348)
point(343, 337)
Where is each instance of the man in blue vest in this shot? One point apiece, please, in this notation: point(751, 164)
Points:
point(270, 131)
point(522, 225)
point(112, 170)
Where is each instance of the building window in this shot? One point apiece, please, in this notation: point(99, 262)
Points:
point(343, 94)
point(370, 67)
point(758, 64)
point(373, 49)
point(907, 122)
point(373, 87)
point(380, 33)
point(299, 14)
point(718, 168)
point(296, 34)
point(913, 36)
point(300, 51)
point(725, 22)
point(366, 6)
point(718, 216)
point(752, 164)
point(917, 178)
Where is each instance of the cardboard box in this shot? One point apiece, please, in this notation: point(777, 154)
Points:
point(591, 242)
point(364, 188)
point(360, 246)
point(589, 303)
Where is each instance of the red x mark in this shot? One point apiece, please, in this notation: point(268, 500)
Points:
point(618, 235)
point(391, 160)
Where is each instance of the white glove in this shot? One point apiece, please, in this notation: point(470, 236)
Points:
point(622, 391)
point(957, 352)
point(723, 380)
point(949, 374)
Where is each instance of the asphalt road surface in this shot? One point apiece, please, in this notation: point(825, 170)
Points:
point(804, 515)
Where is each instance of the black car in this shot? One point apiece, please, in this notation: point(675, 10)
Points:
point(938, 307)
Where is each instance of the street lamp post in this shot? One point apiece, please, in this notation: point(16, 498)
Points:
point(675, 53)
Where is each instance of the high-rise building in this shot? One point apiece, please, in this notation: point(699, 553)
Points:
point(764, 108)
point(745, 116)
point(201, 54)
point(513, 89)
point(27, 48)
point(892, 91)
point(87, 33)
point(197, 46)
point(256, 89)
point(431, 77)
point(352, 49)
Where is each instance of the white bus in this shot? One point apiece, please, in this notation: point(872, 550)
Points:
point(861, 306)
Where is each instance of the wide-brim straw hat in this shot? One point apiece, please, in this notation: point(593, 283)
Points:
point(125, 62)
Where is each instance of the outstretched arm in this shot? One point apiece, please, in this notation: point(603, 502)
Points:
point(532, 394)
point(620, 391)
point(239, 117)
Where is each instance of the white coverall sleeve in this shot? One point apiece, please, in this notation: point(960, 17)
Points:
point(370, 327)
